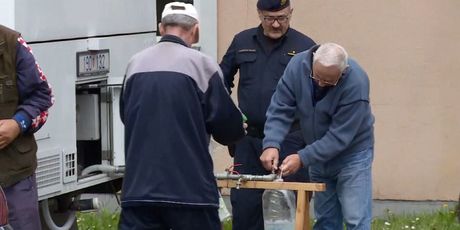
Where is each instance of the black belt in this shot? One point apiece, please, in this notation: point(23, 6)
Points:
point(255, 131)
point(258, 131)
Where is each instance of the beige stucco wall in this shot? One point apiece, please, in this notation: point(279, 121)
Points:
point(411, 51)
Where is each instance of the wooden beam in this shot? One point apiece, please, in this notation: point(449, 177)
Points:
point(272, 185)
point(302, 214)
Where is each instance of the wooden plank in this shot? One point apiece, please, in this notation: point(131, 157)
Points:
point(302, 211)
point(272, 185)
point(306, 215)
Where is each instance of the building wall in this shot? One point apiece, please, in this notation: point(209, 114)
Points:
point(411, 51)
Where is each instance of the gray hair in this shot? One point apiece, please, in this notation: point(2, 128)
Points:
point(184, 21)
point(331, 54)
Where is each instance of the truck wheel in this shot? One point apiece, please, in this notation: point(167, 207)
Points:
point(54, 219)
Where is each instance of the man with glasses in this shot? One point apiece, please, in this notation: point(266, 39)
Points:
point(330, 92)
point(260, 55)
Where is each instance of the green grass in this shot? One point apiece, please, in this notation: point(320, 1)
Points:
point(103, 220)
point(443, 219)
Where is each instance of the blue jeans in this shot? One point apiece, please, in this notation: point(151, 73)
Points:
point(348, 195)
point(22, 200)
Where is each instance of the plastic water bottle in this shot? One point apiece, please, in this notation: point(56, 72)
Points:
point(224, 214)
point(279, 209)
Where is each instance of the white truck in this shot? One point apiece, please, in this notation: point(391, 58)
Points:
point(83, 48)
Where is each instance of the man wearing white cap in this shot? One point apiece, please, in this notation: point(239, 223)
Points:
point(173, 100)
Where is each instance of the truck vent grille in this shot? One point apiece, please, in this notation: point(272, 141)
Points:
point(70, 169)
point(48, 171)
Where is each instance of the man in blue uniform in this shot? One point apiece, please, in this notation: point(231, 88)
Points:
point(173, 100)
point(330, 92)
point(261, 55)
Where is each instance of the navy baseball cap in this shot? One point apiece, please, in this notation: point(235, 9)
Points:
point(272, 5)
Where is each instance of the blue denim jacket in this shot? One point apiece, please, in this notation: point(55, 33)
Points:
point(340, 123)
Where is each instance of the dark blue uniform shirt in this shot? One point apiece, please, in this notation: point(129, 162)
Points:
point(261, 65)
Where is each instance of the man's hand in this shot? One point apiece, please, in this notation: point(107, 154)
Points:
point(291, 164)
point(269, 159)
point(9, 130)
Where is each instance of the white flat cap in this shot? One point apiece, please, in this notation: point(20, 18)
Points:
point(180, 8)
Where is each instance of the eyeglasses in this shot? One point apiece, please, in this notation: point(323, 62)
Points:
point(328, 83)
point(279, 19)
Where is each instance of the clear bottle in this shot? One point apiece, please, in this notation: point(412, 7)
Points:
point(279, 209)
point(224, 214)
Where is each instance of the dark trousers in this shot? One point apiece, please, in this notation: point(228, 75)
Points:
point(166, 218)
point(247, 203)
point(22, 200)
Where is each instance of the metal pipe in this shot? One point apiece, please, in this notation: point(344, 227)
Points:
point(50, 222)
point(103, 168)
point(245, 177)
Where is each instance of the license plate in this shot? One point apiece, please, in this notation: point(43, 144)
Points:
point(93, 63)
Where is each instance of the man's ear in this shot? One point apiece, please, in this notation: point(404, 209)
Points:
point(162, 30)
point(196, 33)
